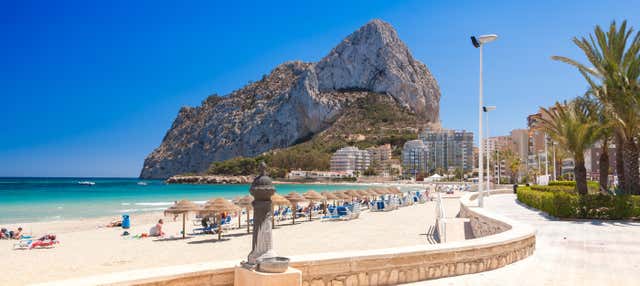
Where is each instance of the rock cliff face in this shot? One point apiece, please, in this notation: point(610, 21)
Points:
point(294, 102)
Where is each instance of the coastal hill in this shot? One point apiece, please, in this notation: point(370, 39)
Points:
point(370, 71)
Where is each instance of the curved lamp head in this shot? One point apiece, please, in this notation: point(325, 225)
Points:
point(488, 108)
point(483, 39)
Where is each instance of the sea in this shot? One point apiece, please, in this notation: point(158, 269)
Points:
point(50, 199)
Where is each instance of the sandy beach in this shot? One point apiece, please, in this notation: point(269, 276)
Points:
point(87, 249)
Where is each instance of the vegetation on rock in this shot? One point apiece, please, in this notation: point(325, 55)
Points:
point(368, 120)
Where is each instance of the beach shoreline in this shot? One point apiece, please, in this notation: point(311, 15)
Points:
point(87, 249)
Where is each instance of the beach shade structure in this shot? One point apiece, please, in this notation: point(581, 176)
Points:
point(372, 193)
point(278, 200)
point(343, 196)
point(352, 194)
point(245, 203)
point(381, 191)
point(295, 198)
point(217, 207)
point(329, 196)
point(363, 193)
point(182, 207)
point(312, 196)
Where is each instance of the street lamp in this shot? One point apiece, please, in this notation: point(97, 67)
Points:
point(487, 109)
point(478, 43)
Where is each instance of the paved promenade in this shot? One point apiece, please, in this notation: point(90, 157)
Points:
point(589, 252)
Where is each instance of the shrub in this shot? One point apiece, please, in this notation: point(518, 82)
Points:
point(593, 186)
point(564, 204)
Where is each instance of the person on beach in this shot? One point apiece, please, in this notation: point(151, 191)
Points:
point(16, 234)
point(157, 229)
point(4, 233)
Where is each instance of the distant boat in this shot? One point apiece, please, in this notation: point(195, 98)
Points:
point(86, 183)
point(142, 183)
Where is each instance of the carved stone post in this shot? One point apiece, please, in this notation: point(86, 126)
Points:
point(261, 244)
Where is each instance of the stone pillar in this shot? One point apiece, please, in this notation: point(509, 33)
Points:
point(261, 244)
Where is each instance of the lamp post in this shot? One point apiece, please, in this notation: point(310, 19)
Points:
point(487, 109)
point(553, 147)
point(478, 43)
point(546, 159)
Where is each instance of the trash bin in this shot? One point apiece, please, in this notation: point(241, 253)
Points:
point(515, 188)
point(125, 222)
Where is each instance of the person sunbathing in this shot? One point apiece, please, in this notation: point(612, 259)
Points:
point(157, 229)
point(16, 234)
point(4, 233)
point(115, 223)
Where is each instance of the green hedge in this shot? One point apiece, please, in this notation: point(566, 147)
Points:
point(556, 188)
point(593, 186)
point(570, 205)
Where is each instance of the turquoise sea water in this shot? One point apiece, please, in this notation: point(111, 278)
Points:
point(46, 199)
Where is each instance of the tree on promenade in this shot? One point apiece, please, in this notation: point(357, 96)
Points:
point(572, 126)
point(614, 77)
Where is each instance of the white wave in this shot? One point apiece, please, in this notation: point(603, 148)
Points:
point(125, 204)
point(154, 204)
point(140, 210)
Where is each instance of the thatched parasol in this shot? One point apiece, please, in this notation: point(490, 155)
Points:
point(313, 196)
point(363, 193)
point(381, 191)
point(217, 207)
point(342, 196)
point(182, 207)
point(295, 198)
point(245, 202)
point(278, 200)
point(329, 196)
point(352, 194)
point(372, 192)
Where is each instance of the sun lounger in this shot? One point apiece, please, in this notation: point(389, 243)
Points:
point(206, 230)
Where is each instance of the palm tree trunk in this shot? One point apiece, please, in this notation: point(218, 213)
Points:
point(580, 173)
point(604, 166)
point(631, 172)
point(620, 162)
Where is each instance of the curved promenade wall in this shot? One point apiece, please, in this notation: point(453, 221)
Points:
point(499, 241)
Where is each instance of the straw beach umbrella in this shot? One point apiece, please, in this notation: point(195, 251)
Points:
point(278, 200)
point(328, 196)
point(295, 198)
point(363, 193)
point(217, 207)
point(245, 202)
point(342, 196)
point(182, 207)
point(352, 194)
point(371, 192)
point(381, 191)
point(312, 196)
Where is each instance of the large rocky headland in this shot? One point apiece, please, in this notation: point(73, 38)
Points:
point(298, 102)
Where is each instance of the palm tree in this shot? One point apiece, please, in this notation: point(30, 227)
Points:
point(614, 80)
point(572, 126)
point(600, 115)
point(513, 163)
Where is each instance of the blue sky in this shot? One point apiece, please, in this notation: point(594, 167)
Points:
point(89, 88)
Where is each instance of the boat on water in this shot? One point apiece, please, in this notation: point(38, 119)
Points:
point(86, 183)
point(142, 183)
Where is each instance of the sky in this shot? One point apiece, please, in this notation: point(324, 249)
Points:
point(89, 88)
